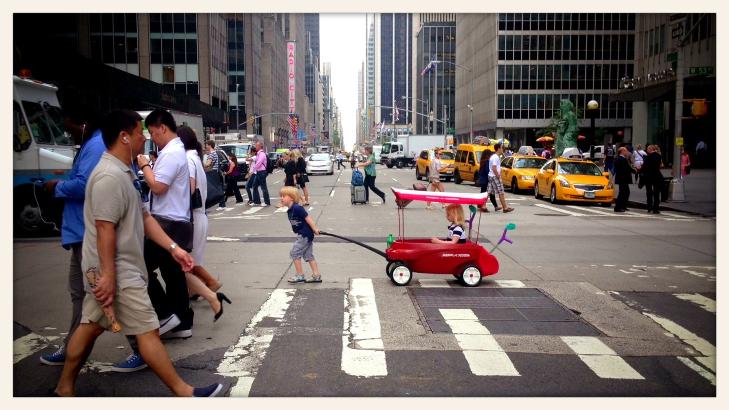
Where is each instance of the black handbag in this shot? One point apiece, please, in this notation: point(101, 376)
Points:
point(216, 189)
point(196, 197)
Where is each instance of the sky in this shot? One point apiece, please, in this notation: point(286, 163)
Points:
point(342, 43)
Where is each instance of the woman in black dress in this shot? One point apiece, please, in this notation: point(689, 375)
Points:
point(301, 177)
point(289, 169)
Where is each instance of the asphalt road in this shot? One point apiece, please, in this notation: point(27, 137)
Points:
point(586, 303)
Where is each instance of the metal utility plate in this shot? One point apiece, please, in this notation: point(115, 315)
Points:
point(512, 311)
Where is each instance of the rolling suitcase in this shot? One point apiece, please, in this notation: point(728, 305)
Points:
point(358, 194)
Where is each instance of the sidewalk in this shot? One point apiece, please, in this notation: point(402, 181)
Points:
point(699, 191)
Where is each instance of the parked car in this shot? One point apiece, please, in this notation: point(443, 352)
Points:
point(277, 158)
point(564, 179)
point(320, 163)
point(422, 164)
point(518, 171)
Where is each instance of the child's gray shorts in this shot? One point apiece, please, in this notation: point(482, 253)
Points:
point(303, 248)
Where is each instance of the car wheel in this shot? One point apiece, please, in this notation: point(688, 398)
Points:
point(471, 276)
point(553, 195)
point(417, 174)
point(401, 274)
point(389, 165)
point(399, 164)
point(457, 177)
point(537, 195)
point(514, 186)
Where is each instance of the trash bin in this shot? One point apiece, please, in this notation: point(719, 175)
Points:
point(664, 188)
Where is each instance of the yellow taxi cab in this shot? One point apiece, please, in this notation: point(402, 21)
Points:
point(468, 157)
point(422, 164)
point(518, 171)
point(565, 179)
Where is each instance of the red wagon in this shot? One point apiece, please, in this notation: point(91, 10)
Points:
point(468, 262)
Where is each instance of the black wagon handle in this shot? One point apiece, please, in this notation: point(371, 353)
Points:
point(377, 251)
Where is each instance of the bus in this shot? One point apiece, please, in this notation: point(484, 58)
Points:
point(42, 150)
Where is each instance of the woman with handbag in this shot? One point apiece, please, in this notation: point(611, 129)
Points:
point(301, 177)
point(232, 176)
point(199, 274)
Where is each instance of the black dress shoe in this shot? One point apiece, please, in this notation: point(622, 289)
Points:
point(221, 297)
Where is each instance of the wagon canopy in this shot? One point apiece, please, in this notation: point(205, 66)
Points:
point(404, 196)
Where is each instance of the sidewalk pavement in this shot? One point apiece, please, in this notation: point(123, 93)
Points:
point(699, 191)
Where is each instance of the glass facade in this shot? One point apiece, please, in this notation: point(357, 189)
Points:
point(236, 71)
point(114, 40)
point(173, 46)
point(401, 65)
point(542, 60)
point(436, 41)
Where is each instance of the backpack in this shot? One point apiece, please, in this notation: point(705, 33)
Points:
point(223, 162)
point(270, 165)
point(357, 178)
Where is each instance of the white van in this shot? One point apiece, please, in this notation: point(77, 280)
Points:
point(42, 150)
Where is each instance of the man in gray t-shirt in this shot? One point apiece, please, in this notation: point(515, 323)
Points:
point(113, 261)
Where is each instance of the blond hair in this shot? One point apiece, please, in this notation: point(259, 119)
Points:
point(290, 192)
point(456, 211)
point(296, 154)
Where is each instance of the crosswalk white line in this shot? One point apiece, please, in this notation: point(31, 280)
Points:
point(564, 211)
point(503, 283)
point(253, 210)
point(700, 344)
point(698, 369)
point(484, 355)
point(582, 208)
point(363, 353)
point(331, 195)
point(600, 358)
point(281, 210)
point(29, 344)
point(243, 359)
point(707, 304)
point(672, 215)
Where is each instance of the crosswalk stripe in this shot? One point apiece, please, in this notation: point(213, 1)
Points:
point(582, 208)
point(505, 283)
point(434, 283)
point(600, 358)
point(363, 352)
point(698, 369)
point(253, 210)
point(564, 211)
point(332, 193)
point(484, 355)
point(672, 215)
point(281, 210)
point(28, 345)
point(243, 359)
point(700, 344)
point(707, 304)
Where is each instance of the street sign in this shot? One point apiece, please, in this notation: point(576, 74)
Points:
point(679, 141)
point(701, 70)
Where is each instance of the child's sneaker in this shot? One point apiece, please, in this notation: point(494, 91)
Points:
point(297, 279)
point(314, 279)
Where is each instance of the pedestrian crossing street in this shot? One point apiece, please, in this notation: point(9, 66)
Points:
point(478, 355)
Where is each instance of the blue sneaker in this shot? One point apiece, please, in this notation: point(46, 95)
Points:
point(56, 358)
point(131, 364)
point(209, 391)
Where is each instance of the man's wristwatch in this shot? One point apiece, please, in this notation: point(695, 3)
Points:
point(172, 247)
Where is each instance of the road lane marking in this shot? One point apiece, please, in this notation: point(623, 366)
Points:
point(700, 344)
point(672, 215)
point(243, 359)
point(707, 304)
point(222, 239)
point(504, 283)
point(29, 344)
point(253, 210)
point(281, 210)
point(363, 352)
point(698, 369)
point(600, 358)
point(394, 179)
point(484, 355)
point(331, 195)
point(564, 211)
point(592, 210)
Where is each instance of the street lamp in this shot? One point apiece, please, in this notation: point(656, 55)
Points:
point(470, 92)
point(405, 97)
point(593, 108)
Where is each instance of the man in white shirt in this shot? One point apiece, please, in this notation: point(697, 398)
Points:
point(495, 185)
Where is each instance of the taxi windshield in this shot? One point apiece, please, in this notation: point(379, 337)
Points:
point(447, 155)
point(579, 168)
point(529, 162)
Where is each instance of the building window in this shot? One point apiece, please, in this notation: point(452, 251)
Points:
point(155, 23)
point(168, 74)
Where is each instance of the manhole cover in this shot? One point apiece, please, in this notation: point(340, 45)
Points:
point(512, 311)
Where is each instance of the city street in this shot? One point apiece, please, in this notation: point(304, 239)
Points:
point(586, 303)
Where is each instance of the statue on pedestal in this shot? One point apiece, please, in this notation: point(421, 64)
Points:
point(567, 129)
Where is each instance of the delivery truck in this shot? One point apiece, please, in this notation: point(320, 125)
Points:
point(404, 151)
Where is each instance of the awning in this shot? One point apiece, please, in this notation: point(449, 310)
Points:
point(647, 93)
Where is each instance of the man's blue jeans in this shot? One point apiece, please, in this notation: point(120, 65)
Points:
point(260, 181)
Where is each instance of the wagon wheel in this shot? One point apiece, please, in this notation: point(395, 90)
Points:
point(471, 276)
point(388, 269)
point(400, 273)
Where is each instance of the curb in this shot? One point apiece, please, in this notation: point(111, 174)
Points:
point(642, 205)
